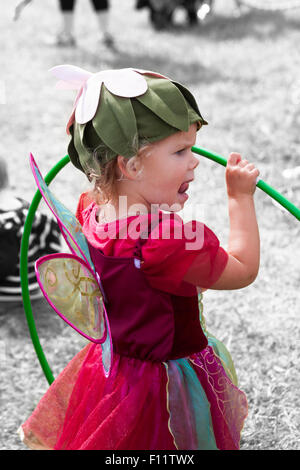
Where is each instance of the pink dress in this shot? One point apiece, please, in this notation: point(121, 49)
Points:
point(172, 384)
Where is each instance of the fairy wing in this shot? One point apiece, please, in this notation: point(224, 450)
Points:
point(92, 322)
point(68, 223)
point(75, 294)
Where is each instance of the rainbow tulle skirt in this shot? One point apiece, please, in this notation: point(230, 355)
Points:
point(186, 404)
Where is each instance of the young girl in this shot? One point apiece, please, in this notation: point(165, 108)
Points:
point(172, 385)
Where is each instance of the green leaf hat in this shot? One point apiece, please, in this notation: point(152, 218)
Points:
point(117, 110)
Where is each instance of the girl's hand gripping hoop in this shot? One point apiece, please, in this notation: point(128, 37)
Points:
point(284, 202)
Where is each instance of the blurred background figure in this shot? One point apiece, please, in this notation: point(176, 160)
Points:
point(20, 6)
point(162, 11)
point(66, 37)
point(101, 8)
point(44, 239)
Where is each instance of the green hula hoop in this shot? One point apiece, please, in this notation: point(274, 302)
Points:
point(27, 230)
point(24, 271)
point(295, 211)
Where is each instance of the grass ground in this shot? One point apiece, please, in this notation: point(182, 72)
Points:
point(245, 74)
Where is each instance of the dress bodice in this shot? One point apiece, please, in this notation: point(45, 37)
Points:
point(146, 323)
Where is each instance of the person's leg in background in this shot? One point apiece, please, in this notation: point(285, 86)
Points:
point(66, 36)
point(102, 10)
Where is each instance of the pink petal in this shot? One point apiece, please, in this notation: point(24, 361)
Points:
point(149, 72)
point(74, 76)
point(70, 121)
point(72, 117)
point(61, 85)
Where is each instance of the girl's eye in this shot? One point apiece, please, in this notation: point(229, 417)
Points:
point(180, 152)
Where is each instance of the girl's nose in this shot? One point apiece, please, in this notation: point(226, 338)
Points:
point(194, 161)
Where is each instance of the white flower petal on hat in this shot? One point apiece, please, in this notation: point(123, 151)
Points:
point(125, 83)
point(88, 102)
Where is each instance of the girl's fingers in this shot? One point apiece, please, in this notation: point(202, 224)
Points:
point(245, 164)
point(255, 171)
point(234, 159)
point(255, 175)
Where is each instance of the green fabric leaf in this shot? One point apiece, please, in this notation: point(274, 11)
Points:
point(116, 123)
point(73, 154)
point(166, 102)
point(85, 155)
point(150, 126)
point(193, 108)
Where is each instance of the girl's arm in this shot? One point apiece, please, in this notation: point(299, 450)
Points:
point(244, 244)
point(243, 247)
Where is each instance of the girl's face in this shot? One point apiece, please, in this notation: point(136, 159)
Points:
point(167, 170)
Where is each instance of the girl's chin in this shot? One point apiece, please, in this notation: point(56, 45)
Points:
point(177, 205)
point(183, 196)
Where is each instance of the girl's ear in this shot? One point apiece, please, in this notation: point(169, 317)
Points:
point(128, 168)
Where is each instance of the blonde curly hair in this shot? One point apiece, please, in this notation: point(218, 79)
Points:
point(105, 180)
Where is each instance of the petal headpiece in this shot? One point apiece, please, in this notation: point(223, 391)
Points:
point(116, 109)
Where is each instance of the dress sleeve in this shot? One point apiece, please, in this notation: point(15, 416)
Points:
point(179, 255)
point(84, 201)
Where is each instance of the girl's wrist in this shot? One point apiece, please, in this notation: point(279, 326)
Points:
point(239, 197)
